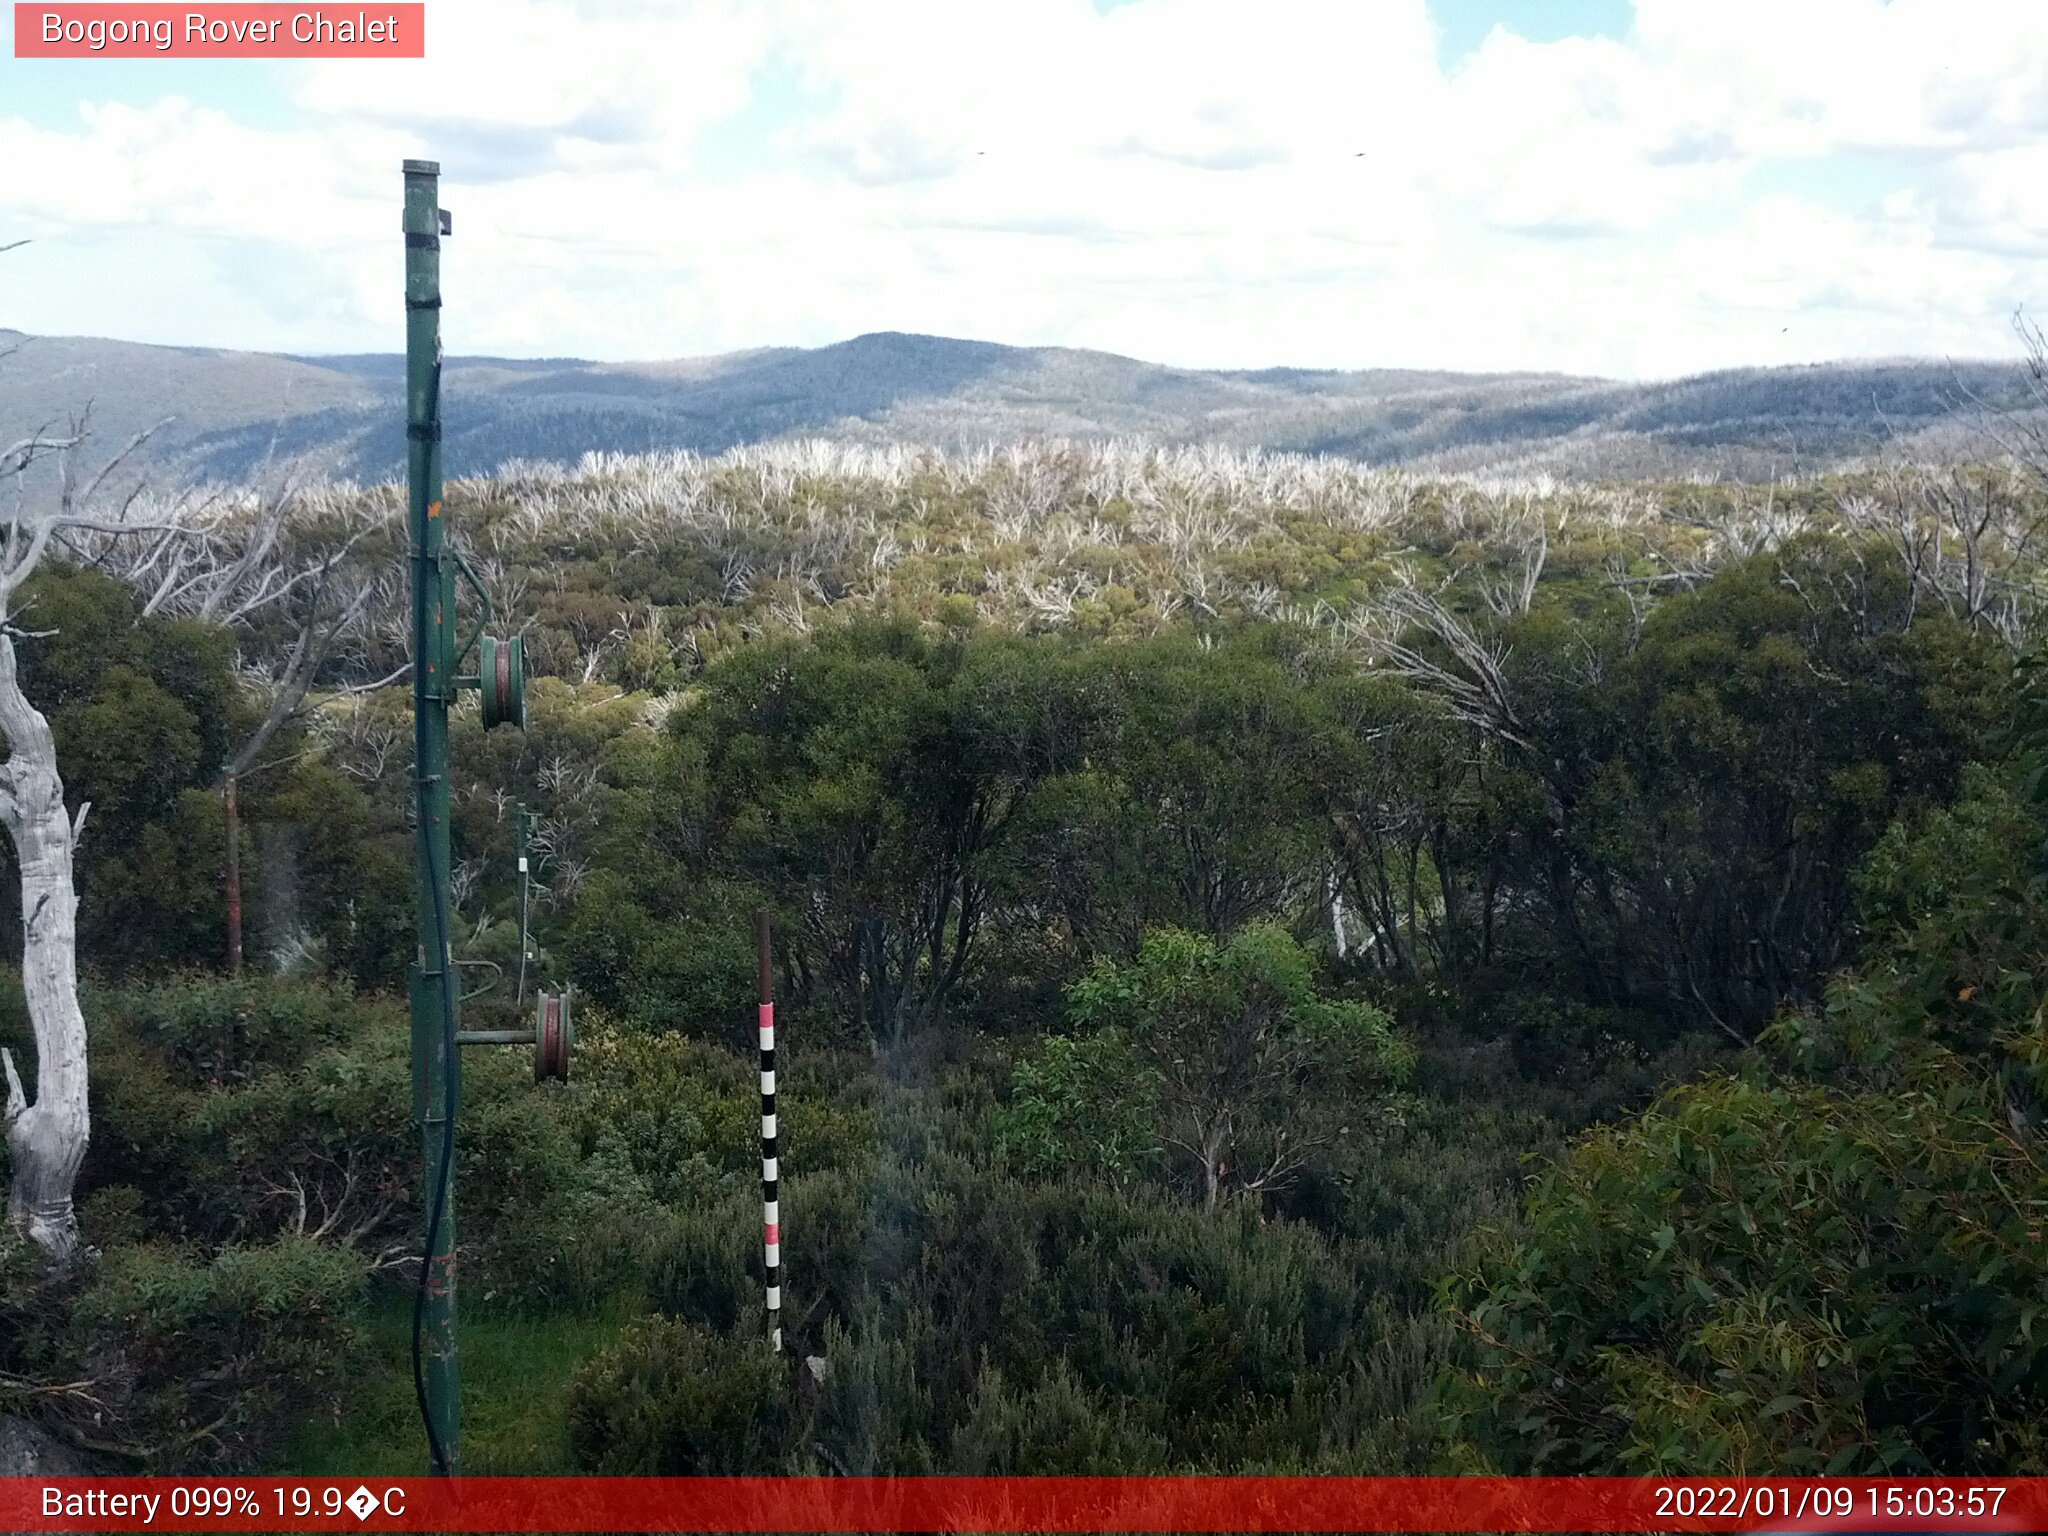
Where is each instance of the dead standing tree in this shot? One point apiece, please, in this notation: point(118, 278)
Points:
point(223, 579)
point(1969, 533)
point(1467, 669)
point(46, 1139)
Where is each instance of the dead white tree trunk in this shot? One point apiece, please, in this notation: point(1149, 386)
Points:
point(1333, 888)
point(46, 1139)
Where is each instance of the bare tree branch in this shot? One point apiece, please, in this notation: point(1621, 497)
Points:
point(1474, 677)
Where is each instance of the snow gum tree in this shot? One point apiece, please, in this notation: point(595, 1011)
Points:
point(46, 1137)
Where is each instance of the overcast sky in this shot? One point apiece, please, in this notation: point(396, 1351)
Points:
point(1593, 186)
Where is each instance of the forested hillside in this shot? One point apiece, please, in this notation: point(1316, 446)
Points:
point(1283, 967)
point(225, 418)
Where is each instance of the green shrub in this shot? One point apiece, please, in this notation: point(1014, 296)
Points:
point(1055, 1428)
point(221, 1030)
point(1832, 1261)
point(684, 1116)
point(674, 1399)
point(117, 1216)
point(1771, 1279)
point(689, 974)
point(1099, 1328)
point(319, 1141)
point(1251, 1074)
point(1087, 1103)
point(213, 1358)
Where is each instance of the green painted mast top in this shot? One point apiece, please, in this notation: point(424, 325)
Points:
point(436, 1068)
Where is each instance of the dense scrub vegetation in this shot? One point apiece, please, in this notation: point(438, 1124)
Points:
point(1200, 885)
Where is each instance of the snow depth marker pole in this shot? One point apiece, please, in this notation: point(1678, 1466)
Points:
point(771, 1207)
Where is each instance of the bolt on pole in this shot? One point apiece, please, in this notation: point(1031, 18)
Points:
point(437, 1083)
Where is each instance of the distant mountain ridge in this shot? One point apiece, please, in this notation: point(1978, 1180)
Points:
point(235, 412)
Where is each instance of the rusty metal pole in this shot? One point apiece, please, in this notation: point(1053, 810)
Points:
point(234, 838)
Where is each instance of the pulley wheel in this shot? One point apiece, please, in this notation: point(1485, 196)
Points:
point(501, 668)
point(552, 1036)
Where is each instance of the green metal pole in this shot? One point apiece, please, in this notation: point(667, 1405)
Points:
point(437, 1081)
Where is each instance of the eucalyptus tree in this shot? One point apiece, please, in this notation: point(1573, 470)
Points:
point(1253, 1073)
point(286, 565)
point(46, 1137)
point(202, 557)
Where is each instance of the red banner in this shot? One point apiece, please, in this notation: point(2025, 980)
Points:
point(1123, 1504)
point(374, 30)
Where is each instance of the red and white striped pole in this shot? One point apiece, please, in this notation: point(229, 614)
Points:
point(771, 1215)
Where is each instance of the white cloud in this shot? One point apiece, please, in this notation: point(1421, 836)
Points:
point(1196, 181)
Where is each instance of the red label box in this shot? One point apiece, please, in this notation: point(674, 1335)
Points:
point(877, 1505)
point(372, 30)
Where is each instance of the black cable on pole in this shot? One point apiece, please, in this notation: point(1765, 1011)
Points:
point(436, 1451)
